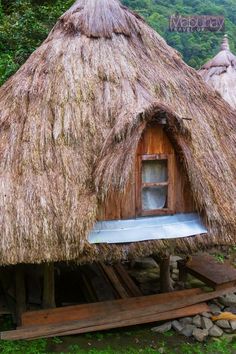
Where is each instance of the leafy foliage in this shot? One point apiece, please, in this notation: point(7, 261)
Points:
point(24, 24)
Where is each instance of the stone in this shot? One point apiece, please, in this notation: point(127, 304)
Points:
point(223, 324)
point(206, 323)
point(165, 327)
point(228, 331)
point(200, 334)
point(215, 331)
point(186, 320)
point(228, 300)
point(231, 309)
point(216, 302)
point(187, 331)
point(195, 283)
point(179, 285)
point(206, 314)
point(215, 310)
point(233, 324)
point(174, 259)
point(197, 320)
point(145, 263)
point(175, 271)
point(177, 326)
point(229, 337)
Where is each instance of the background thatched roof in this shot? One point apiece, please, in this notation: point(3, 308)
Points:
point(71, 119)
point(220, 73)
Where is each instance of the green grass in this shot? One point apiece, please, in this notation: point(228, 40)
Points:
point(214, 346)
point(24, 347)
point(132, 340)
point(219, 257)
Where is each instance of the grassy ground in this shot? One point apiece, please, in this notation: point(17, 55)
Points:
point(126, 341)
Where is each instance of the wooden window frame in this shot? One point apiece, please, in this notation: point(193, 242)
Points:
point(169, 183)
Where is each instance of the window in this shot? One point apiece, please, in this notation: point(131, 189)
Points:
point(154, 185)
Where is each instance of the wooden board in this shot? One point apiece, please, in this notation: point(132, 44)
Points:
point(116, 315)
point(85, 311)
point(115, 281)
point(127, 280)
point(97, 324)
point(207, 269)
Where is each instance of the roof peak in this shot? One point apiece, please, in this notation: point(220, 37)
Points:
point(99, 18)
point(225, 43)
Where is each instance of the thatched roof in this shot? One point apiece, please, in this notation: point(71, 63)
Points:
point(220, 73)
point(71, 119)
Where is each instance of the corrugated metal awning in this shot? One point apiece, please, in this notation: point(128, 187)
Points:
point(147, 228)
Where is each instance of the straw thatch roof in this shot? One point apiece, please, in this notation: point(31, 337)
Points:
point(71, 119)
point(220, 73)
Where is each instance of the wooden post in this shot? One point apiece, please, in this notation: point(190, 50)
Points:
point(183, 274)
point(20, 292)
point(165, 279)
point(48, 286)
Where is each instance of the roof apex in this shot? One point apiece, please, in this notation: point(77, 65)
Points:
point(225, 43)
point(99, 18)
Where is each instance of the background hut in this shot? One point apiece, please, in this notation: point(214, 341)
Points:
point(220, 73)
point(103, 95)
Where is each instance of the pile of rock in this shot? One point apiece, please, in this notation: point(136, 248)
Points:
point(201, 326)
point(146, 272)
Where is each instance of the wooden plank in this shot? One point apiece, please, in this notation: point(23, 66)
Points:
point(87, 290)
point(20, 292)
point(48, 286)
point(85, 311)
point(95, 324)
point(169, 315)
point(211, 272)
point(114, 280)
point(128, 281)
point(127, 198)
point(101, 287)
point(141, 314)
point(172, 183)
point(114, 314)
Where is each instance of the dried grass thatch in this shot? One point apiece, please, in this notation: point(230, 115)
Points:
point(71, 119)
point(220, 73)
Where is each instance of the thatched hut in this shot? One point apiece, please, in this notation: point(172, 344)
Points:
point(220, 73)
point(105, 121)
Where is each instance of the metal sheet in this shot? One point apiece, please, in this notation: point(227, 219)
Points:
point(147, 228)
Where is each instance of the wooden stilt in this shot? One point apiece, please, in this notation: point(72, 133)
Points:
point(20, 292)
point(183, 274)
point(165, 279)
point(48, 286)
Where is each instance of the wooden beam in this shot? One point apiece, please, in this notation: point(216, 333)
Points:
point(86, 311)
point(164, 316)
point(20, 292)
point(165, 279)
point(108, 321)
point(110, 273)
point(113, 319)
point(128, 281)
point(48, 286)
